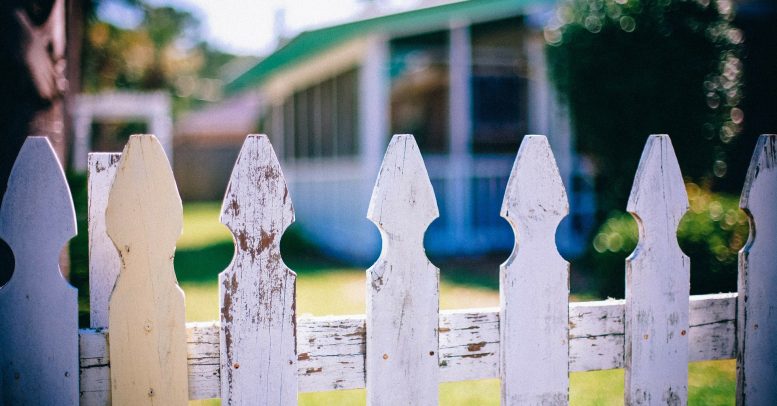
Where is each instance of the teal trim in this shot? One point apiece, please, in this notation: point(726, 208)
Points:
point(310, 43)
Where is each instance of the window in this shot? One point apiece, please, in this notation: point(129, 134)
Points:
point(419, 89)
point(499, 86)
point(321, 121)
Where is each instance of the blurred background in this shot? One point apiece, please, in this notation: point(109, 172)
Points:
point(329, 82)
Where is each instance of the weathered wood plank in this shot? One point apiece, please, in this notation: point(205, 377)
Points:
point(39, 317)
point(147, 317)
point(534, 285)
point(331, 350)
point(104, 262)
point(402, 286)
point(257, 290)
point(757, 328)
point(657, 283)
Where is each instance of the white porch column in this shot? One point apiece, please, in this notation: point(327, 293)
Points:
point(160, 122)
point(546, 115)
point(374, 104)
point(459, 199)
point(549, 117)
point(161, 125)
point(82, 140)
point(278, 135)
point(374, 129)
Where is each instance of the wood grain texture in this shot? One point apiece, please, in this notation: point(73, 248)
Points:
point(257, 290)
point(757, 327)
point(104, 261)
point(402, 286)
point(534, 285)
point(331, 350)
point(657, 283)
point(146, 311)
point(39, 317)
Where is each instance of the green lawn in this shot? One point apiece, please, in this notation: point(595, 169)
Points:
point(324, 287)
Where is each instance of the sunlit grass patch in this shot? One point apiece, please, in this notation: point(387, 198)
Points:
point(206, 248)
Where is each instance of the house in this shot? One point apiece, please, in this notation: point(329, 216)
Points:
point(467, 78)
point(207, 142)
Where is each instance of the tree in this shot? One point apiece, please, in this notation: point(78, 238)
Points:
point(164, 51)
point(629, 68)
point(32, 85)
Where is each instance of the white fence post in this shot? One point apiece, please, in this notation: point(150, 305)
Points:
point(402, 286)
point(39, 317)
point(147, 333)
point(657, 283)
point(757, 309)
point(104, 261)
point(257, 290)
point(534, 286)
point(104, 266)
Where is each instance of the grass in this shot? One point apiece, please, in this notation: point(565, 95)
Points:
point(326, 287)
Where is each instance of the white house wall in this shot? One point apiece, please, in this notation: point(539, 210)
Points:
point(316, 69)
point(331, 195)
point(330, 201)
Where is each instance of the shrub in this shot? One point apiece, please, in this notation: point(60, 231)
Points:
point(711, 233)
point(630, 68)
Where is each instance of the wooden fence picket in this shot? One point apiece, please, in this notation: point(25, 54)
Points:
point(403, 347)
point(757, 309)
point(657, 283)
point(104, 261)
point(402, 286)
point(147, 332)
point(39, 317)
point(534, 294)
point(257, 290)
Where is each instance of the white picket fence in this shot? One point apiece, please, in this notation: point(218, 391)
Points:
point(260, 353)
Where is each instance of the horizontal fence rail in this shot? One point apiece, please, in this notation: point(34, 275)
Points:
point(331, 350)
point(260, 352)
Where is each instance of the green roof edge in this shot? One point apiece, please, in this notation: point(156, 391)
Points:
point(310, 43)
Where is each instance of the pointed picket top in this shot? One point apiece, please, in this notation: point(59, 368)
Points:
point(763, 162)
point(144, 176)
point(658, 188)
point(146, 314)
point(657, 282)
point(39, 317)
point(757, 309)
point(534, 291)
point(402, 286)
point(257, 183)
point(257, 290)
point(38, 193)
point(403, 199)
point(535, 193)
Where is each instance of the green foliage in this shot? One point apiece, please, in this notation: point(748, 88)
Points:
point(711, 234)
point(630, 68)
point(164, 52)
point(79, 246)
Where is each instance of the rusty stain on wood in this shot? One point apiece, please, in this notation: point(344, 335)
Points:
point(476, 346)
point(596, 343)
point(257, 290)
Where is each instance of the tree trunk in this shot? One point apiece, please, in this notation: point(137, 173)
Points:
point(32, 85)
